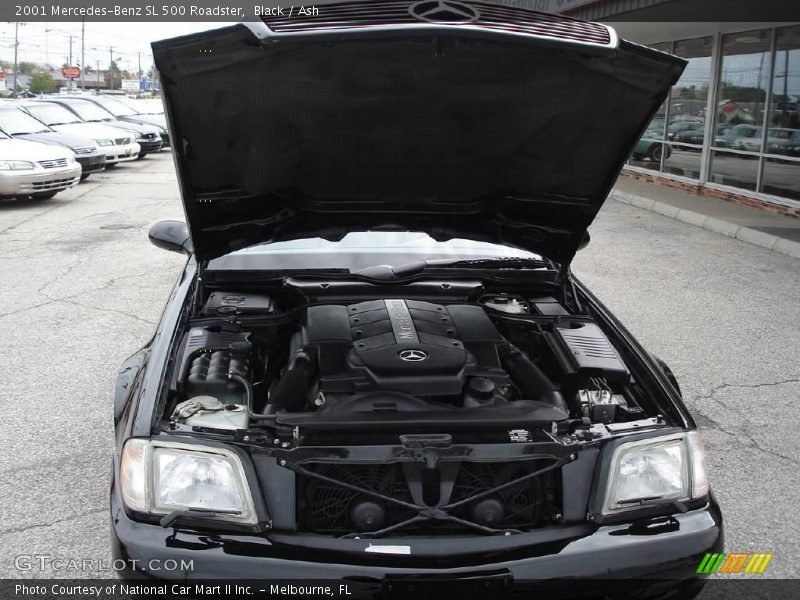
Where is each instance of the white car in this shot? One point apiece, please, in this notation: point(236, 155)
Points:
point(35, 170)
point(118, 145)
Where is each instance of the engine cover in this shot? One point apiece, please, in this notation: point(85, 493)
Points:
point(400, 345)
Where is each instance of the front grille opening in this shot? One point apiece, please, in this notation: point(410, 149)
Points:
point(328, 508)
point(53, 184)
point(52, 164)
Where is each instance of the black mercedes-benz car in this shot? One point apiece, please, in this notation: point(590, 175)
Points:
point(377, 365)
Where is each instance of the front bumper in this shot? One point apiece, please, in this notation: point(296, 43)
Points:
point(91, 163)
point(150, 145)
point(38, 180)
point(656, 557)
point(122, 152)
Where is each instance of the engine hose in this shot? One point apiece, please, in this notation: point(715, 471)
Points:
point(532, 383)
point(293, 388)
point(248, 397)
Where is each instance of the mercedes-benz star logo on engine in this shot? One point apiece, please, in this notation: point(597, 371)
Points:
point(413, 355)
point(444, 11)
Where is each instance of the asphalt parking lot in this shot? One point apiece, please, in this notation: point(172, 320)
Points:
point(82, 289)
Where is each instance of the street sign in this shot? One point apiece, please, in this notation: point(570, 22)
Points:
point(71, 72)
point(130, 85)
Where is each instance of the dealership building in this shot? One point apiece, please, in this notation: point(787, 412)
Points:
point(731, 126)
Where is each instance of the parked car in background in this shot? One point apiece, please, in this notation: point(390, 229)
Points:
point(144, 112)
point(35, 170)
point(122, 110)
point(743, 137)
point(720, 139)
point(693, 134)
point(785, 141)
point(677, 127)
point(148, 106)
point(146, 136)
point(118, 145)
point(20, 125)
point(651, 146)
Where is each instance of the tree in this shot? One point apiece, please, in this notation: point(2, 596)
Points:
point(42, 83)
point(26, 68)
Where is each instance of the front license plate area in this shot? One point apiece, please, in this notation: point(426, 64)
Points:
point(477, 586)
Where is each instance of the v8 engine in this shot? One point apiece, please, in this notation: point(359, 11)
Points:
point(395, 345)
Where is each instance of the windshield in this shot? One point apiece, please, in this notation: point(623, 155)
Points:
point(360, 250)
point(783, 134)
point(116, 108)
point(147, 107)
point(89, 111)
point(52, 114)
point(14, 122)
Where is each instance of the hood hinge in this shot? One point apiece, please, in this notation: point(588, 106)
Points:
point(199, 288)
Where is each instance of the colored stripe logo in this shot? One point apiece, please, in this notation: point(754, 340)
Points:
point(737, 562)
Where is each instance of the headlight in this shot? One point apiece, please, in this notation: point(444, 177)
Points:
point(161, 477)
point(105, 142)
point(668, 468)
point(139, 137)
point(15, 165)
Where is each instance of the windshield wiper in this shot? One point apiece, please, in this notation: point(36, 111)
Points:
point(510, 262)
point(387, 272)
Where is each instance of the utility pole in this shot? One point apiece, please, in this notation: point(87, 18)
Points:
point(98, 76)
point(16, 64)
point(111, 67)
point(83, 57)
point(69, 64)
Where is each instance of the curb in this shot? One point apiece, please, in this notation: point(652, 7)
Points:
point(745, 234)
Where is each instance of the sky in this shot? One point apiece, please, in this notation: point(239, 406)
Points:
point(49, 42)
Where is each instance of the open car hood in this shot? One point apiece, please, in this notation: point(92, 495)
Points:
point(508, 126)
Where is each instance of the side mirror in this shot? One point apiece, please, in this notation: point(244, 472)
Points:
point(171, 235)
point(585, 240)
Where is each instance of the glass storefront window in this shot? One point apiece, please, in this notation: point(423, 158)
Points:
point(781, 178)
point(735, 170)
point(786, 79)
point(689, 97)
point(648, 150)
point(754, 130)
point(743, 87)
point(683, 160)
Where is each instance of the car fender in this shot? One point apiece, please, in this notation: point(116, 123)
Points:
point(126, 377)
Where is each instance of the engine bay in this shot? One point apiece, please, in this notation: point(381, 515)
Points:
point(366, 405)
point(495, 361)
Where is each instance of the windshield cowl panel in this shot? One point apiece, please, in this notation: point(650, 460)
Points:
point(362, 250)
